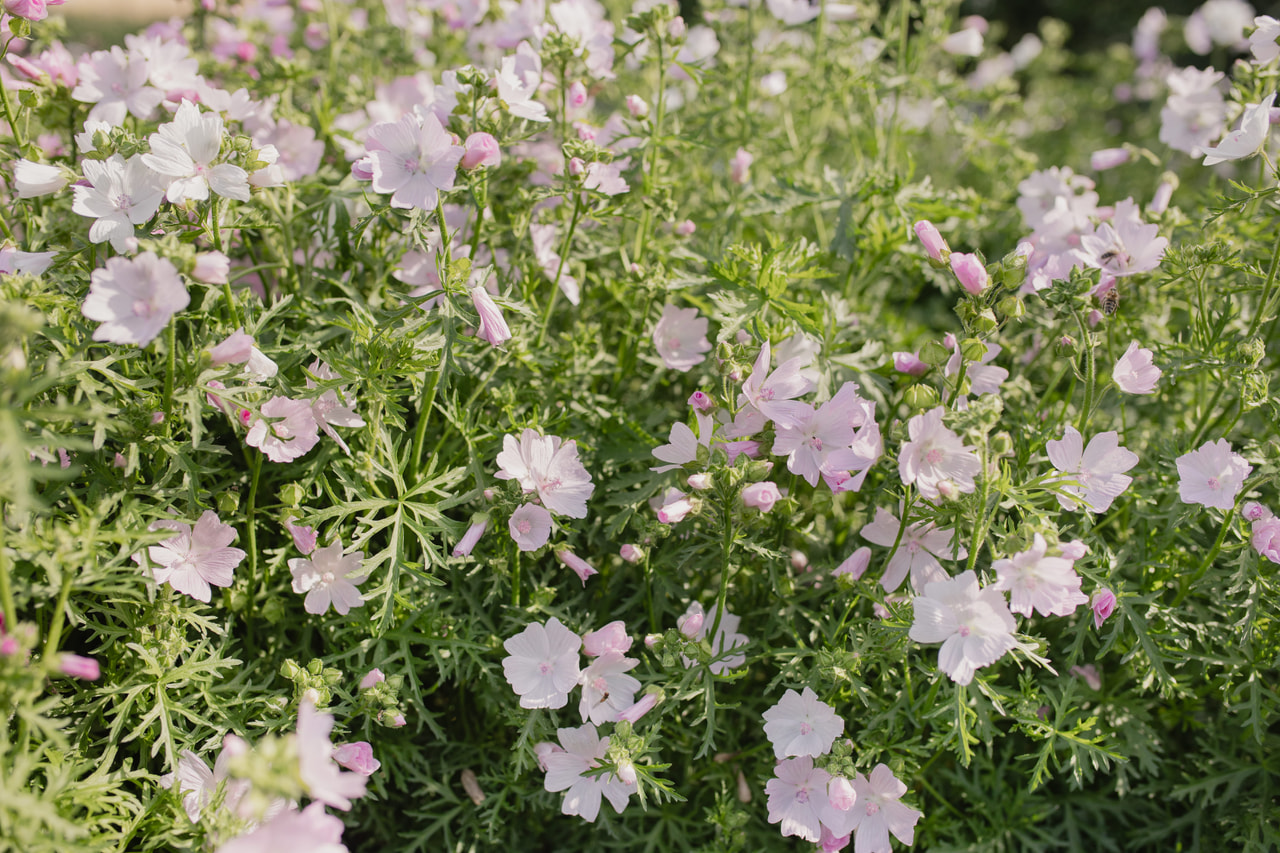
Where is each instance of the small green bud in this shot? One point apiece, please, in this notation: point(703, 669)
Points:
point(935, 354)
point(228, 502)
point(20, 27)
point(986, 321)
point(291, 494)
point(1001, 444)
point(1251, 351)
point(1012, 307)
point(921, 397)
point(1065, 345)
point(973, 349)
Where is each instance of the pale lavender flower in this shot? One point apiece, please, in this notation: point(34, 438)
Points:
point(1248, 139)
point(878, 812)
point(1109, 158)
point(802, 724)
point(934, 245)
point(681, 338)
point(974, 625)
point(518, 80)
point(797, 796)
point(761, 496)
point(311, 830)
point(31, 180)
point(566, 771)
point(198, 558)
point(328, 577)
point(493, 326)
point(414, 159)
point(471, 537)
point(577, 565)
point(550, 467)
point(1212, 475)
point(611, 638)
point(121, 195)
point(530, 527)
point(1126, 245)
point(676, 505)
point(285, 430)
point(855, 565)
point(134, 298)
point(542, 664)
point(935, 456)
point(330, 410)
point(682, 447)
point(1039, 583)
point(607, 690)
point(1263, 40)
point(773, 394)
point(357, 757)
point(323, 779)
point(304, 538)
point(1103, 604)
point(1098, 469)
point(115, 82)
point(918, 550)
point(1134, 372)
point(1195, 112)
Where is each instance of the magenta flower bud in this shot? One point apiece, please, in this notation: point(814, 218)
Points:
point(493, 327)
point(970, 272)
point(245, 416)
point(1109, 158)
point(374, 676)
point(631, 553)
point(841, 794)
point(304, 537)
point(632, 714)
point(701, 402)
point(481, 150)
point(611, 638)
point(1254, 511)
point(77, 666)
point(909, 363)
point(761, 496)
point(1104, 602)
point(157, 418)
point(577, 167)
point(211, 268)
point(586, 132)
point(933, 243)
point(362, 169)
point(471, 537)
point(8, 646)
point(690, 625)
point(636, 106)
point(740, 166)
point(684, 229)
point(580, 567)
point(700, 482)
point(357, 757)
point(577, 94)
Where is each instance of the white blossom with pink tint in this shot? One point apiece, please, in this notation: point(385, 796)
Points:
point(879, 811)
point(414, 159)
point(1098, 469)
point(530, 527)
point(328, 577)
point(973, 624)
point(1039, 583)
point(198, 558)
point(550, 467)
point(682, 447)
point(1212, 475)
point(323, 779)
point(542, 664)
point(802, 724)
point(611, 638)
point(134, 298)
point(773, 394)
point(1125, 245)
point(291, 831)
point(797, 796)
point(285, 429)
point(607, 690)
point(1135, 372)
point(567, 769)
point(681, 338)
point(115, 83)
point(333, 407)
point(183, 151)
point(919, 548)
point(935, 455)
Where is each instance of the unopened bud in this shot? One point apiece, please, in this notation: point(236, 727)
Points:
point(921, 397)
point(471, 785)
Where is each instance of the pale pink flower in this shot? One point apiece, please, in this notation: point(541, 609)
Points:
point(518, 80)
point(234, 349)
point(1036, 582)
point(79, 666)
point(1212, 475)
point(542, 664)
point(1248, 139)
point(607, 690)
point(328, 577)
point(761, 496)
point(935, 455)
point(676, 505)
point(31, 180)
point(802, 724)
point(304, 538)
point(469, 539)
point(643, 706)
point(773, 394)
point(909, 363)
point(740, 166)
point(983, 376)
point(333, 407)
point(636, 106)
point(183, 151)
point(493, 326)
point(1098, 469)
point(682, 447)
point(934, 245)
point(357, 757)
point(879, 812)
point(726, 638)
point(974, 625)
point(1126, 245)
point(323, 779)
point(577, 565)
point(1102, 604)
point(530, 527)
point(291, 432)
point(1263, 40)
point(372, 677)
point(921, 545)
point(820, 440)
point(134, 298)
point(116, 84)
point(631, 553)
point(481, 150)
point(611, 638)
point(970, 272)
point(566, 771)
point(30, 263)
point(414, 159)
point(1265, 538)
point(605, 178)
point(1089, 673)
point(681, 337)
point(311, 830)
point(121, 195)
point(198, 558)
point(1134, 372)
point(545, 465)
point(965, 42)
point(1195, 113)
point(855, 565)
point(797, 796)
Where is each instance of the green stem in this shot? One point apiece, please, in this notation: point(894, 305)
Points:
point(1188, 583)
point(655, 143)
point(1206, 415)
point(983, 521)
point(420, 429)
point(7, 607)
point(54, 637)
point(171, 364)
point(726, 547)
point(648, 593)
point(515, 576)
point(564, 257)
point(1090, 373)
point(255, 464)
point(8, 107)
point(1266, 291)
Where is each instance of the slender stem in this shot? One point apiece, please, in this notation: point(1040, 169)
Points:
point(1266, 291)
point(655, 143)
point(982, 522)
point(726, 547)
point(7, 607)
point(1091, 368)
point(420, 429)
point(564, 256)
point(54, 637)
point(255, 465)
point(1189, 582)
point(648, 593)
point(8, 108)
point(214, 225)
point(515, 575)
point(171, 363)
point(1209, 409)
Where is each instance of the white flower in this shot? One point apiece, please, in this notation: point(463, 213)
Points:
point(681, 337)
point(550, 467)
point(121, 195)
point(566, 771)
point(1262, 41)
point(974, 625)
point(518, 81)
point(1212, 475)
point(606, 687)
point(1036, 582)
point(183, 151)
point(1126, 245)
point(329, 577)
point(198, 557)
point(542, 664)
point(936, 455)
point(414, 159)
point(802, 724)
point(1135, 372)
point(37, 179)
point(879, 812)
point(1248, 139)
point(1098, 469)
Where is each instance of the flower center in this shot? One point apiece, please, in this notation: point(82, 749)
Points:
point(124, 202)
point(802, 796)
point(964, 632)
point(872, 809)
point(544, 667)
point(1215, 483)
point(524, 526)
point(934, 456)
point(805, 729)
point(142, 308)
point(326, 578)
point(281, 429)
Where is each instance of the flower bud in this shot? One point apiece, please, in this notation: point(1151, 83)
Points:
point(1012, 308)
point(577, 94)
point(700, 482)
point(580, 567)
point(631, 553)
point(481, 150)
point(357, 757)
point(970, 272)
point(677, 28)
point(493, 327)
point(761, 496)
point(701, 401)
point(627, 772)
point(936, 247)
point(1109, 158)
point(211, 268)
point(641, 707)
point(684, 229)
point(471, 537)
point(577, 167)
point(471, 785)
point(77, 666)
point(1103, 604)
point(374, 676)
point(841, 794)
point(909, 363)
point(362, 169)
point(637, 107)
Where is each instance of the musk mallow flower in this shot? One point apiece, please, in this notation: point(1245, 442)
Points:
point(773, 393)
point(327, 577)
point(1195, 113)
point(802, 724)
point(31, 180)
point(530, 527)
point(813, 444)
point(493, 326)
point(134, 298)
point(1248, 139)
point(1263, 40)
point(682, 447)
point(576, 564)
point(1212, 475)
point(680, 337)
point(285, 429)
point(973, 624)
point(1135, 372)
point(333, 407)
point(322, 777)
point(116, 83)
point(312, 829)
point(879, 811)
point(550, 467)
point(1103, 604)
point(183, 151)
point(726, 639)
point(797, 796)
point(607, 689)
point(1038, 582)
point(1126, 245)
point(542, 664)
point(1265, 538)
point(517, 82)
point(198, 558)
point(761, 496)
point(935, 455)
point(1097, 469)
point(611, 638)
point(583, 749)
point(918, 550)
point(121, 195)
point(414, 159)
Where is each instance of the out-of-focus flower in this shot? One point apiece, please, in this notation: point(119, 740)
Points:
point(1248, 139)
point(134, 298)
point(1134, 372)
point(1212, 475)
point(680, 337)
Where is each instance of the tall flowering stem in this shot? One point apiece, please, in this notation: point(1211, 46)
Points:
point(54, 638)
point(651, 169)
point(171, 363)
point(8, 107)
point(564, 257)
point(1189, 582)
point(7, 608)
point(1266, 290)
point(1091, 369)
